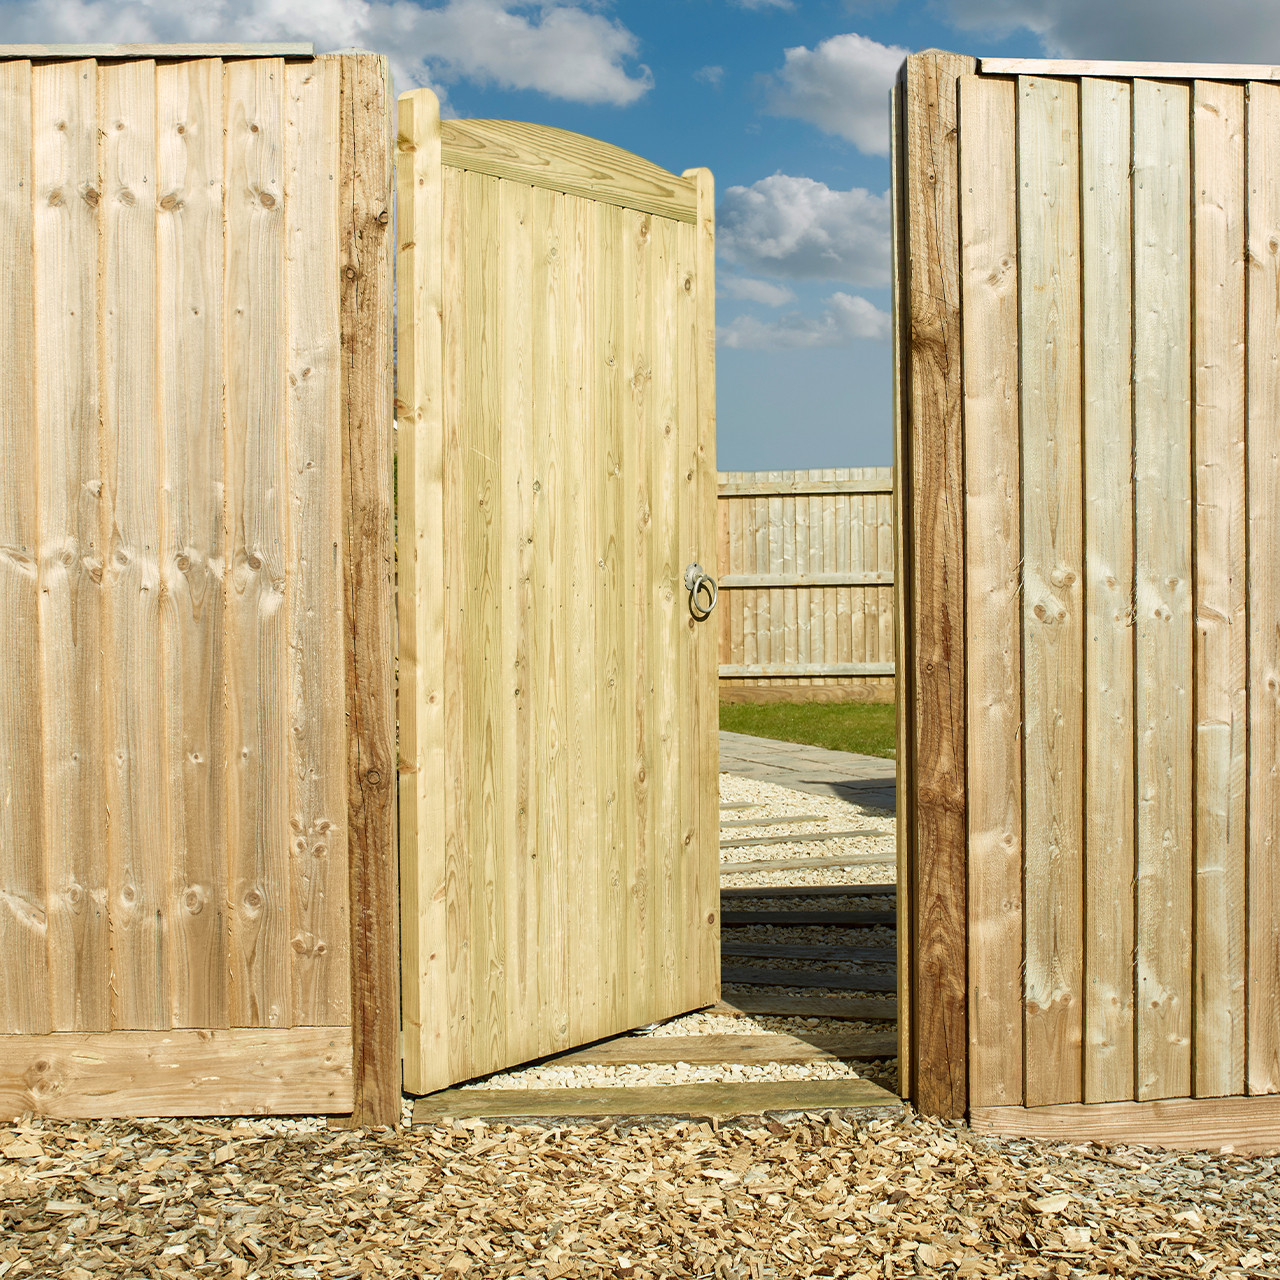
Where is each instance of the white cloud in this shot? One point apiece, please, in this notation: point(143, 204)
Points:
point(748, 290)
point(1143, 30)
point(712, 75)
point(842, 86)
point(843, 320)
point(563, 50)
point(765, 4)
point(801, 229)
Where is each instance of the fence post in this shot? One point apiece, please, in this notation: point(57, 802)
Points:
point(931, 696)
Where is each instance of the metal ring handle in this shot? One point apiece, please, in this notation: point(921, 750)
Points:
point(703, 592)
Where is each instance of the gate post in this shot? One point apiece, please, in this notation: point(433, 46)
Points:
point(929, 476)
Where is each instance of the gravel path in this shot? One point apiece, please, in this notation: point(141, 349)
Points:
point(764, 801)
point(822, 1197)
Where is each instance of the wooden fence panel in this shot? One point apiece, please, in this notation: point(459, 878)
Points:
point(1121, 830)
point(193, 475)
point(805, 564)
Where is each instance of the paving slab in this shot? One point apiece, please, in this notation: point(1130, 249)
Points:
point(865, 780)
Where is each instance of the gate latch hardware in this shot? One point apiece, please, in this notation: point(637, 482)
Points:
point(702, 589)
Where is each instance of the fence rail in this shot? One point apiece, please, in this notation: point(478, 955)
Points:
point(806, 572)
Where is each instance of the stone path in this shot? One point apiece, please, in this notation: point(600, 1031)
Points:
point(865, 780)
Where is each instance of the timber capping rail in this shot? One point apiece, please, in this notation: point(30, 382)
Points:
point(1086, 321)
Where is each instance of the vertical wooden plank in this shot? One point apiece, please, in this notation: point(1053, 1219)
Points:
point(1262, 447)
point(320, 927)
point(665, 607)
point(1107, 341)
point(638, 440)
point(993, 622)
point(1221, 659)
point(704, 849)
point(587, 1004)
point(937, 908)
point(189, 266)
point(421, 593)
point(24, 1004)
point(457, 511)
point(484, 689)
point(140, 870)
point(368, 556)
point(1162, 553)
point(548, 646)
point(66, 190)
point(1052, 530)
point(519, 548)
point(613, 765)
point(255, 644)
point(830, 649)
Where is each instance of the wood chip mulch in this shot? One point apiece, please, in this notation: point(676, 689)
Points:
point(819, 1197)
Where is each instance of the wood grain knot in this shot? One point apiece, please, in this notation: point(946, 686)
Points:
point(91, 197)
point(374, 778)
point(266, 200)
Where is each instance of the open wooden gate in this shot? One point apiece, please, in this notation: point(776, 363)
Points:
point(196, 715)
point(558, 704)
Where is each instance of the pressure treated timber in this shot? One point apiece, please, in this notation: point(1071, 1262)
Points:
point(1145, 357)
point(64, 155)
point(798, 487)
point(1262, 447)
point(420, 592)
point(255, 638)
point(806, 864)
point(932, 488)
point(835, 918)
point(316, 756)
point(137, 857)
point(848, 1046)
point(746, 975)
point(811, 891)
point(250, 1071)
point(1052, 595)
point(791, 670)
point(367, 421)
point(25, 997)
point(1128, 70)
point(854, 578)
point(989, 266)
point(1247, 1126)
point(800, 951)
point(804, 837)
point(904, 691)
point(266, 49)
point(749, 1004)
point(205, 338)
point(572, 868)
point(190, 264)
point(1162, 590)
point(692, 1101)
point(1221, 622)
point(1107, 349)
point(805, 564)
point(567, 162)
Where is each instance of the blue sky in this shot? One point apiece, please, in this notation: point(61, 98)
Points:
point(784, 100)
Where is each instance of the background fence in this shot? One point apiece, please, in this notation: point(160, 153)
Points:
point(806, 580)
point(1090, 326)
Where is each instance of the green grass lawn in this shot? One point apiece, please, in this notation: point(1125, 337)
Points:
point(864, 727)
